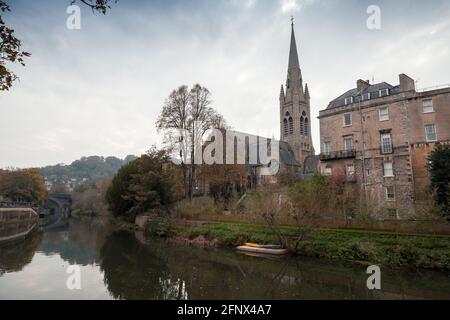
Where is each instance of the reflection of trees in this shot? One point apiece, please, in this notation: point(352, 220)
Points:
point(132, 271)
point(77, 243)
point(14, 256)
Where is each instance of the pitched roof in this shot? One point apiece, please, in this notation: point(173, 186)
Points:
point(374, 91)
point(287, 155)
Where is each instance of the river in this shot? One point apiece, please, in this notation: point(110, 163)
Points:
point(124, 265)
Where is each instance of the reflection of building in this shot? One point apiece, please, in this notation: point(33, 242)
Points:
point(380, 135)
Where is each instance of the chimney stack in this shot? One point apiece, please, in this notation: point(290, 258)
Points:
point(406, 83)
point(361, 85)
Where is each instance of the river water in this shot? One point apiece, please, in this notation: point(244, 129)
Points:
point(124, 265)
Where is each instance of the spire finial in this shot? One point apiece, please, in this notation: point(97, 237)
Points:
point(292, 21)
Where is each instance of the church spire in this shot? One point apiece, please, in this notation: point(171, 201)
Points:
point(294, 83)
point(293, 54)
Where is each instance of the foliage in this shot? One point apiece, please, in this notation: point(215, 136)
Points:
point(223, 180)
point(396, 250)
point(142, 185)
point(10, 51)
point(92, 199)
point(325, 196)
point(59, 187)
point(101, 6)
point(87, 168)
point(439, 168)
point(162, 226)
point(23, 185)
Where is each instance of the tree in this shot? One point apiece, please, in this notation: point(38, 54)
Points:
point(11, 47)
point(92, 198)
point(115, 196)
point(59, 187)
point(101, 6)
point(23, 185)
point(10, 51)
point(188, 112)
point(222, 180)
point(151, 187)
point(439, 169)
point(142, 185)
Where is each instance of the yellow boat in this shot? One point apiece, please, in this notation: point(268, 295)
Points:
point(269, 246)
point(277, 252)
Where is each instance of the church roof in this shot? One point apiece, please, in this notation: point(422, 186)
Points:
point(311, 165)
point(287, 155)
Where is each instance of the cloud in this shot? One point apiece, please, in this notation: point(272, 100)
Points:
point(289, 6)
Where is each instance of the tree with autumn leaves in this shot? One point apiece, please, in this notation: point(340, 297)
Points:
point(24, 185)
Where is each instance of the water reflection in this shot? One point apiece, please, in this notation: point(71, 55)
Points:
point(15, 255)
point(119, 265)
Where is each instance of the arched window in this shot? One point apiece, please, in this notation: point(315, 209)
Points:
point(291, 125)
point(285, 126)
point(306, 128)
point(302, 125)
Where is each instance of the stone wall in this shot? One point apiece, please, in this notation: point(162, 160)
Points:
point(406, 124)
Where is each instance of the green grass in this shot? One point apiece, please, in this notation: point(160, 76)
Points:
point(397, 250)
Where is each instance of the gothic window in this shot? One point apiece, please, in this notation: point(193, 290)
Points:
point(302, 126)
point(291, 125)
point(306, 129)
point(286, 129)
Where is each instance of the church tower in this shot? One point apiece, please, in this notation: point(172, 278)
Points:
point(295, 115)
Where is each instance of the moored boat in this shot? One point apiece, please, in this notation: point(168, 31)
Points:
point(270, 251)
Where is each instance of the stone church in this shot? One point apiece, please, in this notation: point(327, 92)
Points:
point(297, 153)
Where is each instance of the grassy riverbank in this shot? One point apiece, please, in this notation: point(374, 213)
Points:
point(395, 250)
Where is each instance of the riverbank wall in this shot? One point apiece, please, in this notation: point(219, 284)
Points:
point(17, 222)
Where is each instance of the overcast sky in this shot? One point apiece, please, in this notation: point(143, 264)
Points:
point(99, 90)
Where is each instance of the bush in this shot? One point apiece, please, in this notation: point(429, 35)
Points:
point(162, 226)
point(439, 168)
point(142, 185)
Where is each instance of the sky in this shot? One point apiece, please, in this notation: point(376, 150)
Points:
point(100, 89)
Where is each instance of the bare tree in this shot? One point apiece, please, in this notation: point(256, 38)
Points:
point(189, 112)
point(174, 117)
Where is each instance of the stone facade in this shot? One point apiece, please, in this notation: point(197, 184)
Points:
point(295, 111)
point(376, 135)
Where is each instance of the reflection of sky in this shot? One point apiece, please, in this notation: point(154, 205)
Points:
point(99, 90)
point(45, 278)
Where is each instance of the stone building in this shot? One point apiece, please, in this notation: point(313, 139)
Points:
point(295, 111)
point(379, 136)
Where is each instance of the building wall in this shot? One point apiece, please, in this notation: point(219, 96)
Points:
point(420, 148)
point(410, 151)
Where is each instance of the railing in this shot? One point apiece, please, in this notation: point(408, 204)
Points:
point(335, 155)
point(12, 205)
point(441, 86)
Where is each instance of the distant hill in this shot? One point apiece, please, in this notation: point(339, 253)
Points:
point(87, 168)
